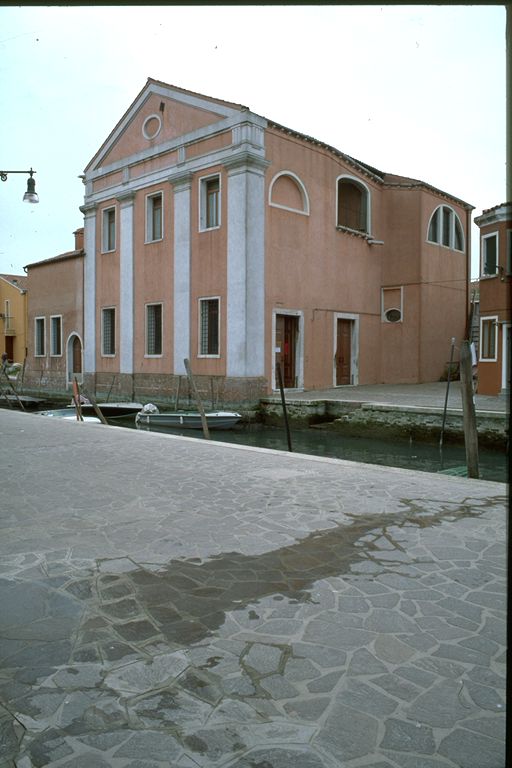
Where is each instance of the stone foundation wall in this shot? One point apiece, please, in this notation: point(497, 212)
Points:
point(384, 421)
point(168, 390)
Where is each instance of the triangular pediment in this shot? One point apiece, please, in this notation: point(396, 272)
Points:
point(160, 114)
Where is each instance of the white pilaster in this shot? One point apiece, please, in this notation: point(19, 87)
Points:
point(126, 302)
point(182, 245)
point(246, 268)
point(89, 288)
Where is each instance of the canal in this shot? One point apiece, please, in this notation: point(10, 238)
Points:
point(408, 454)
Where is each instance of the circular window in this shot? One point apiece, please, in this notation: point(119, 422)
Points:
point(152, 127)
point(393, 315)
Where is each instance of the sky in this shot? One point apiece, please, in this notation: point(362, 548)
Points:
point(412, 90)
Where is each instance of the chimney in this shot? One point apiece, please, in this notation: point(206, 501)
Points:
point(79, 239)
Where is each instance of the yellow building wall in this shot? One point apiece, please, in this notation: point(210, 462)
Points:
point(13, 328)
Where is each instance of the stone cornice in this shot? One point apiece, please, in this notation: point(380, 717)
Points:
point(180, 179)
point(126, 198)
point(88, 209)
point(495, 215)
point(244, 160)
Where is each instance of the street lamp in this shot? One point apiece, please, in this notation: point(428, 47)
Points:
point(30, 195)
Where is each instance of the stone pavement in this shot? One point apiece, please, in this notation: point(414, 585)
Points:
point(429, 395)
point(169, 602)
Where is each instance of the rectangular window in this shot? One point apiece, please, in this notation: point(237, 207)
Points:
point(56, 335)
point(447, 226)
point(489, 254)
point(154, 220)
point(108, 230)
point(40, 336)
point(509, 252)
point(7, 316)
point(488, 338)
point(153, 329)
point(210, 203)
point(108, 332)
point(209, 327)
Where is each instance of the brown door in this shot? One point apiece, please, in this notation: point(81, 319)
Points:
point(77, 355)
point(286, 343)
point(343, 352)
point(9, 348)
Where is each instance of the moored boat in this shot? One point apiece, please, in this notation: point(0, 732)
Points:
point(187, 419)
point(68, 414)
point(109, 410)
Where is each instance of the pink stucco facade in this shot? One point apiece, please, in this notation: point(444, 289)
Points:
point(214, 234)
point(55, 321)
point(495, 285)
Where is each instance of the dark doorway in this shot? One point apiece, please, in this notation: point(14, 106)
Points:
point(287, 328)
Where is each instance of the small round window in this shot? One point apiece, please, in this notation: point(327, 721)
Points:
point(152, 126)
point(393, 315)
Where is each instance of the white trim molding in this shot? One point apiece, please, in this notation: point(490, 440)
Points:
point(301, 187)
point(354, 347)
point(299, 349)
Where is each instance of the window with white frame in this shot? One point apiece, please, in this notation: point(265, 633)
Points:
point(392, 304)
point(209, 321)
point(40, 336)
point(108, 230)
point(154, 217)
point(56, 335)
point(153, 329)
point(108, 332)
point(490, 254)
point(210, 202)
point(353, 205)
point(288, 192)
point(488, 338)
point(445, 228)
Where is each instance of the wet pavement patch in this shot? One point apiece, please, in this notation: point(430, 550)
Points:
point(377, 642)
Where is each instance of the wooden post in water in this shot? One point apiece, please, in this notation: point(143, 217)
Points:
point(76, 398)
point(176, 402)
point(468, 410)
point(447, 392)
point(94, 404)
point(283, 402)
point(198, 399)
point(4, 371)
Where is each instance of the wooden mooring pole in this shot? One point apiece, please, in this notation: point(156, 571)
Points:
point(283, 402)
point(200, 408)
point(468, 410)
point(447, 392)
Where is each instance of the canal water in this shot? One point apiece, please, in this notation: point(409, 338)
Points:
point(424, 457)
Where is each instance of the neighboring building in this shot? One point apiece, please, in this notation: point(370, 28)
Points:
point(55, 320)
point(495, 299)
point(13, 317)
point(216, 235)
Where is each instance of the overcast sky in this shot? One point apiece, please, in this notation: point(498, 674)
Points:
point(413, 90)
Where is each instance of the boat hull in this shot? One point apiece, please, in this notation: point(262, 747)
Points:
point(110, 410)
point(67, 414)
point(215, 420)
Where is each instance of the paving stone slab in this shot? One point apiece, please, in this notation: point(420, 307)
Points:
point(262, 609)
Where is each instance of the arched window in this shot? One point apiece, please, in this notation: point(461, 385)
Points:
point(445, 228)
point(287, 191)
point(353, 204)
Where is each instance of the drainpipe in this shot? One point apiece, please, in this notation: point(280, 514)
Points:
point(468, 268)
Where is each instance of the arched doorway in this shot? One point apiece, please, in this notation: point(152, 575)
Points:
point(74, 361)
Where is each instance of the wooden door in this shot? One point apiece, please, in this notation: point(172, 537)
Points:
point(77, 355)
point(286, 348)
point(9, 348)
point(343, 352)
